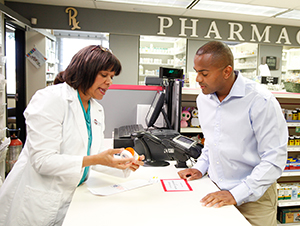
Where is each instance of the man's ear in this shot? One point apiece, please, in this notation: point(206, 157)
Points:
point(227, 71)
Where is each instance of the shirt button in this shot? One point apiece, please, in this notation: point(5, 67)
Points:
point(221, 180)
point(217, 162)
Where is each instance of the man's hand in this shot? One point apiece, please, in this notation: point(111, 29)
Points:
point(190, 174)
point(218, 199)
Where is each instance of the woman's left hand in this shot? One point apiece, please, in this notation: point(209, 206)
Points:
point(137, 163)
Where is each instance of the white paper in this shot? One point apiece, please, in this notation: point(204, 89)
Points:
point(175, 185)
point(36, 57)
point(117, 188)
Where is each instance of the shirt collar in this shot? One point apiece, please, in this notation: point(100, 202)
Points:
point(237, 90)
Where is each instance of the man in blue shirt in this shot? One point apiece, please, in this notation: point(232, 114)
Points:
point(245, 134)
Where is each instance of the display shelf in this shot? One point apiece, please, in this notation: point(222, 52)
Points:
point(246, 56)
point(277, 94)
point(287, 95)
point(246, 68)
point(287, 224)
point(191, 91)
point(158, 64)
point(43, 76)
point(293, 148)
point(290, 202)
point(293, 124)
point(191, 130)
point(158, 52)
point(290, 173)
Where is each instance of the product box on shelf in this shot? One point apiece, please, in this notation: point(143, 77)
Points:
point(288, 215)
point(292, 164)
point(288, 191)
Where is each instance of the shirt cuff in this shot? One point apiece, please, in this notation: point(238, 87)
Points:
point(241, 193)
point(202, 168)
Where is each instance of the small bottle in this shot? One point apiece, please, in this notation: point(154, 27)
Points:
point(129, 153)
point(295, 115)
point(294, 192)
point(291, 140)
point(141, 70)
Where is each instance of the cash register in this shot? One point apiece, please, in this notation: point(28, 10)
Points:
point(159, 145)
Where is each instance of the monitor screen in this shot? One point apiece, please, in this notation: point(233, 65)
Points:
point(170, 73)
point(155, 109)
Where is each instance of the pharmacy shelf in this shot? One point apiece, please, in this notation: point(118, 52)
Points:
point(246, 68)
point(283, 203)
point(283, 94)
point(290, 173)
point(191, 91)
point(277, 94)
point(245, 56)
point(163, 54)
point(157, 64)
point(293, 148)
point(288, 224)
point(191, 130)
point(295, 123)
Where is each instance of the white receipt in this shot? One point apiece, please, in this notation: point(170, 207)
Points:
point(117, 188)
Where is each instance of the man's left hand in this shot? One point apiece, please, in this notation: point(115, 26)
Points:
point(218, 199)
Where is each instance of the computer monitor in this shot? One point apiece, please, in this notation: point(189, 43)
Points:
point(170, 73)
point(155, 109)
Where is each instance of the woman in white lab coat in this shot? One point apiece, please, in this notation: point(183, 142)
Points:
point(64, 136)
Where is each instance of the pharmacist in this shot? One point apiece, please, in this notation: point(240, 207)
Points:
point(245, 137)
point(64, 135)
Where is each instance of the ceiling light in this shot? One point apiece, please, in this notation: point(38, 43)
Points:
point(228, 7)
point(293, 14)
point(170, 3)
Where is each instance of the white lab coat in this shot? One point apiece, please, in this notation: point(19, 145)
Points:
point(39, 189)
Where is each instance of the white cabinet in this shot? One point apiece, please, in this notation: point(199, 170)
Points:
point(3, 106)
point(158, 52)
point(51, 63)
point(245, 59)
point(38, 78)
point(290, 63)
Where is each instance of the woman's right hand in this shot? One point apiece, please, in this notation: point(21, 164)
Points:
point(107, 158)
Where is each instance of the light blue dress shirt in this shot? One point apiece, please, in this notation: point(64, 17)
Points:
point(245, 139)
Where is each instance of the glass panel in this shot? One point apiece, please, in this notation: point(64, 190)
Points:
point(11, 61)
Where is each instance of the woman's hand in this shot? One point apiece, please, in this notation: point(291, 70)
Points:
point(107, 158)
point(137, 163)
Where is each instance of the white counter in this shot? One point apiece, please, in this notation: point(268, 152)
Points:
point(149, 205)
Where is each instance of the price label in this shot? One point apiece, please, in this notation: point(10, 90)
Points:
point(297, 130)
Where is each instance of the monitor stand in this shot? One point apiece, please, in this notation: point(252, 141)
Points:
point(156, 163)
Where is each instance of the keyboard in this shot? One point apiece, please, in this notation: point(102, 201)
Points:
point(127, 130)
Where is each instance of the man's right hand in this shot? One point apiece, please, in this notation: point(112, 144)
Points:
point(190, 174)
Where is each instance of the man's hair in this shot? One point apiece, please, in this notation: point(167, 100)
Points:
point(220, 52)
